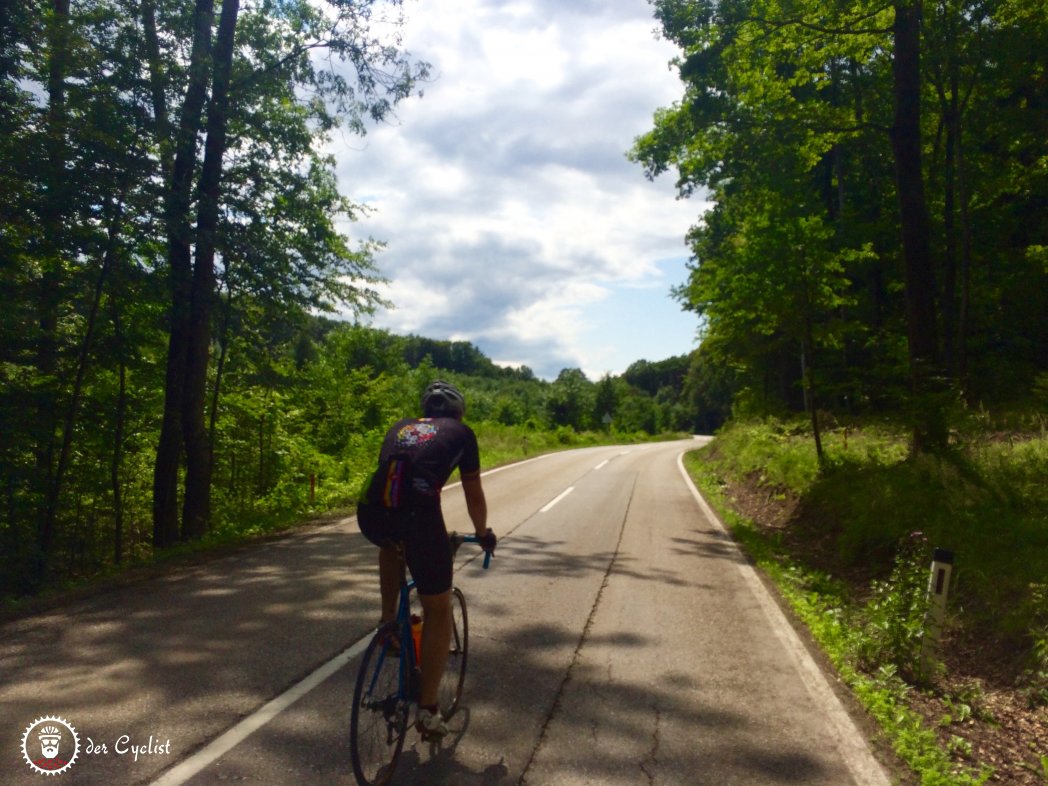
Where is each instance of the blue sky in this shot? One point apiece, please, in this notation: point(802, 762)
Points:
point(511, 216)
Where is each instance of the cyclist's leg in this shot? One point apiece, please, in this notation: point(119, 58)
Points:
point(428, 553)
point(436, 640)
point(385, 531)
point(391, 574)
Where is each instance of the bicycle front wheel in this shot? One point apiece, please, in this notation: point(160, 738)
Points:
point(450, 691)
point(380, 712)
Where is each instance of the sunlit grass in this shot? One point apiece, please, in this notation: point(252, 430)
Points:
point(823, 604)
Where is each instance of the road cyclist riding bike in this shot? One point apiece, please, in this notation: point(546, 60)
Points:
point(388, 679)
point(401, 514)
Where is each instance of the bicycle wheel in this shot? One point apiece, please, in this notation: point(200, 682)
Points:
point(380, 713)
point(450, 690)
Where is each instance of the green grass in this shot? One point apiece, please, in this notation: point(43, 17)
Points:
point(500, 444)
point(822, 603)
point(985, 500)
point(855, 518)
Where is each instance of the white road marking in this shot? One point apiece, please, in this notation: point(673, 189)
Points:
point(851, 744)
point(224, 743)
point(221, 745)
point(601, 465)
point(549, 505)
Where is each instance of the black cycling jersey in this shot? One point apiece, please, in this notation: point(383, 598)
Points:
point(435, 446)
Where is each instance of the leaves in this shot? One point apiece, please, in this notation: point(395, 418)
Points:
point(783, 127)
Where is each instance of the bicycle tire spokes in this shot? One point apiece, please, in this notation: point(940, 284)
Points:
point(386, 686)
point(379, 719)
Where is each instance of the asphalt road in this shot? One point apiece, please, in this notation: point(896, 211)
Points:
point(619, 638)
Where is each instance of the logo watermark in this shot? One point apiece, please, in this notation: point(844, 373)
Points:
point(50, 745)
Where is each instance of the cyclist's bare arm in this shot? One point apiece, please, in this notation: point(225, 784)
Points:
point(476, 504)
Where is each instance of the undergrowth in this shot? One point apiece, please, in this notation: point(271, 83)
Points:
point(985, 500)
point(853, 559)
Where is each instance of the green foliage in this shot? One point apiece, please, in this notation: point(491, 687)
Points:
point(894, 617)
point(784, 125)
point(985, 500)
point(771, 450)
point(1035, 677)
point(94, 102)
point(824, 605)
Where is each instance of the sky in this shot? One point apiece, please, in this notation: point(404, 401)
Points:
point(511, 216)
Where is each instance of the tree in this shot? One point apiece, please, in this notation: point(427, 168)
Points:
point(570, 402)
point(930, 428)
point(825, 108)
point(383, 76)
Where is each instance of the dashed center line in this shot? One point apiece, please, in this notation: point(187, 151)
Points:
point(549, 505)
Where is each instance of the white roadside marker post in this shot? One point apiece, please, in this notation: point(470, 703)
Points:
point(938, 590)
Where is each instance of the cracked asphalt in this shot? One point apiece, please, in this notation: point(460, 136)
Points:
point(619, 638)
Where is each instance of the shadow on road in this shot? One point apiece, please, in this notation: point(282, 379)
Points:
point(184, 655)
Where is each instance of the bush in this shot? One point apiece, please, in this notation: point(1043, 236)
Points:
point(894, 618)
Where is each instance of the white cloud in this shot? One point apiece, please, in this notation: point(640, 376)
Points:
point(508, 207)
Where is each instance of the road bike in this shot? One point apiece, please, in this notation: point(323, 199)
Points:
point(389, 679)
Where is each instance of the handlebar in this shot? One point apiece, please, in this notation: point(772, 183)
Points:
point(457, 540)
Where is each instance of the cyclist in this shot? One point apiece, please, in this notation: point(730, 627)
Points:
point(403, 517)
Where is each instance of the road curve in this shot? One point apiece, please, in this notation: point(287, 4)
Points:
point(619, 638)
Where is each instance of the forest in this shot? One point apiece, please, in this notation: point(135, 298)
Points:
point(878, 242)
point(170, 262)
point(172, 265)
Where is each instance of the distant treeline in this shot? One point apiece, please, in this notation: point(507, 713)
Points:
point(297, 418)
point(169, 227)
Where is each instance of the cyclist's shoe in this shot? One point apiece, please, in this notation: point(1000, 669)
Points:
point(431, 725)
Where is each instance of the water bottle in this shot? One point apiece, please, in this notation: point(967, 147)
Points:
point(416, 636)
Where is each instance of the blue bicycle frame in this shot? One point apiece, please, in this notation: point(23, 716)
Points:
point(408, 681)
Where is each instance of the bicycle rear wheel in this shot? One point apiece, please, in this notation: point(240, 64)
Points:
point(379, 718)
point(450, 690)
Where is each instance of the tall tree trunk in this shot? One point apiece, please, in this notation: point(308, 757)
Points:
point(810, 399)
point(196, 512)
point(157, 84)
point(118, 436)
point(220, 365)
point(929, 425)
point(117, 460)
point(947, 81)
point(961, 342)
point(54, 492)
point(949, 304)
point(179, 238)
point(49, 293)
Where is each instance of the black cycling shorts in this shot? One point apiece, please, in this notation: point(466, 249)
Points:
point(422, 533)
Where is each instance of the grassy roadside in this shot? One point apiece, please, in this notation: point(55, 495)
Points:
point(849, 548)
point(499, 445)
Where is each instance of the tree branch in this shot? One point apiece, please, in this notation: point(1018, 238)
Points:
point(777, 24)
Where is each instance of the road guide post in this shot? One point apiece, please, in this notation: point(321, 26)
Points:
point(938, 590)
